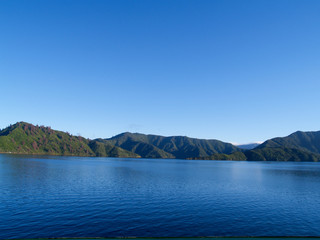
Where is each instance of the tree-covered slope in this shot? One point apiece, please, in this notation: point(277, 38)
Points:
point(268, 154)
point(236, 156)
point(107, 150)
point(305, 141)
point(140, 148)
point(29, 139)
point(298, 147)
point(170, 147)
point(25, 138)
point(281, 154)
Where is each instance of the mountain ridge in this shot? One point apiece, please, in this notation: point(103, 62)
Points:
point(308, 141)
point(25, 138)
point(248, 146)
point(298, 146)
point(170, 147)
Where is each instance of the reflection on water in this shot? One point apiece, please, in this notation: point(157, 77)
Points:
point(105, 197)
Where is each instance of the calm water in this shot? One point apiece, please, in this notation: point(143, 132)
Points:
point(95, 197)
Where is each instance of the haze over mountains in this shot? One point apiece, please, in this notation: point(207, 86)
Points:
point(25, 138)
point(248, 146)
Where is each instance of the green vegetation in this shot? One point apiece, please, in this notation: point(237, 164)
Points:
point(29, 139)
point(153, 146)
point(281, 154)
point(297, 147)
point(108, 150)
point(25, 138)
point(268, 154)
point(237, 156)
point(305, 141)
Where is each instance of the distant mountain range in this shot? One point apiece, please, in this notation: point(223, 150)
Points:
point(169, 147)
point(248, 146)
point(25, 138)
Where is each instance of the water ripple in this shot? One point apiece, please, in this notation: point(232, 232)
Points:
point(83, 197)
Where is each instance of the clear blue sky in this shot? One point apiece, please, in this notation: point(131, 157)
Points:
point(238, 71)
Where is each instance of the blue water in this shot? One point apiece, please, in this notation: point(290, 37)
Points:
point(105, 197)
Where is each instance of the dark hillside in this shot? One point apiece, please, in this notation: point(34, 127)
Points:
point(306, 141)
point(170, 147)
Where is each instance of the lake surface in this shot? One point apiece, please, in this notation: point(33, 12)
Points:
point(107, 197)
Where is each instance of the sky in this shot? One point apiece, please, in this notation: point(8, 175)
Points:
point(238, 71)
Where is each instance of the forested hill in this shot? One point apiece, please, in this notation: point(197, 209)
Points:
point(298, 146)
point(305, 141)
point(25, 138)
point(169, 147)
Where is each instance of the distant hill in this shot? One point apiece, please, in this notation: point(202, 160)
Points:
point(248, 146)
point(281, 154)
point(29, 139)
point(154, 146)
point(305, 141)
point(298, 146)
point(25, 138)
point(268, 154)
